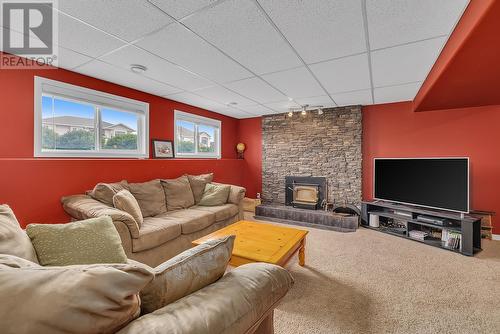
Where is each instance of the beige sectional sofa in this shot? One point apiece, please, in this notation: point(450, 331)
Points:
point(172, 218)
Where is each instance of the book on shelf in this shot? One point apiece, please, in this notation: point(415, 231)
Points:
point(419, 235)
point(452, 239)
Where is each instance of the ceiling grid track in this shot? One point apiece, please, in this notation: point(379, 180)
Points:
point(368, 50)
point(268, 18)
point(180, 21)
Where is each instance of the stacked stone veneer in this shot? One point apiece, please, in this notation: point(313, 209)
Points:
point(313, 145)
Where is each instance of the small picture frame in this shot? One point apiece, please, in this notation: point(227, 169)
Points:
point(163, 149)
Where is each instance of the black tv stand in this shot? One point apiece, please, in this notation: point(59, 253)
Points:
point(405, 217)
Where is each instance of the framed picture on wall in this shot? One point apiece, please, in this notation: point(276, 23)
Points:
point(163, 149)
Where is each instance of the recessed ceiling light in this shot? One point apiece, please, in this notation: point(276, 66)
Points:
point(136, 68)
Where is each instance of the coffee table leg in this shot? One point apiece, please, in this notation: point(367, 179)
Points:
point(302, 253)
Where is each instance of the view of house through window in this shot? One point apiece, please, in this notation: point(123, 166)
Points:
point(196, 136)
point(81, 127)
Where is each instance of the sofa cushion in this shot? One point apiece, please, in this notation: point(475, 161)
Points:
point(88, 241)
point(73, 299)
point(187, 272)
point(236, 194)
point(104, 192)
point(222, 212)
point(150, 196)
point(215, 194)
point(178, 192)
point(198, 183)
point(13, 240)
point(233, 304)
point(125, 201)
point(84, 207)
point(191, 220)
point(154, 232)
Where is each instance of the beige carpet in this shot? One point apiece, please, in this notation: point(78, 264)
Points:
point(369, 282)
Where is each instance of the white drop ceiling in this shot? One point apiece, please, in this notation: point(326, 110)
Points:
point(264, 55)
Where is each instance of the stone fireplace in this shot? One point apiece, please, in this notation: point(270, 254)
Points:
point(305, 147)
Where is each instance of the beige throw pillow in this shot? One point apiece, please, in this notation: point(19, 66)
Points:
point(150, 197)
point(13, 240)
point(187, 273)
point(178, 192)
point(198, 183)
point(104, 192)
point(125, 201)
point(73, 299)
point(88, 241)
point(215, 194)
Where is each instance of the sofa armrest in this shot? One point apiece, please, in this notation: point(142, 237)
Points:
point(85, 207)
point(238, 303)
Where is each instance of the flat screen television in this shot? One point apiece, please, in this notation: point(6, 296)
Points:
point(439, 183)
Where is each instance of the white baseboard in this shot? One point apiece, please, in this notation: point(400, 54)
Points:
point(496, 237)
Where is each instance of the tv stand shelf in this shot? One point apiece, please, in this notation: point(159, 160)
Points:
point(406, 215)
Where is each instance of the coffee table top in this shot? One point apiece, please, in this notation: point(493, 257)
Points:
point(259, 242)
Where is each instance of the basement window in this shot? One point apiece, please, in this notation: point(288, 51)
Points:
point(72, 121)
point(197, 136)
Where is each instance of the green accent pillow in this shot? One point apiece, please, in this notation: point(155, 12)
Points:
point(215, 194)
point(88, 241)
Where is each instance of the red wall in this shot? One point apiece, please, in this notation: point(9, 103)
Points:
point(250, 133)
point(33, 187)
point(394, 130)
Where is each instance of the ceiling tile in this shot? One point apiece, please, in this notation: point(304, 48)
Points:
point(241, 30)
point(233, 112)
point(181, 8)
point(395, 22)
point(257, 110)
point(322, 100)
point(127, 19)
point(282, 106)
point(195, 100)
point(158, 68)
point(360, 97)
point(180, 46)
point(108, 72)
point(345, 74)
point(318, 29)
point(69, 59)
point(224, 96)
point(256, 89)
point(396, 93)
point(295, 83)
point(80, 37)
point(405, 63)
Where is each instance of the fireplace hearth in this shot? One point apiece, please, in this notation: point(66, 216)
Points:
point(305, 192)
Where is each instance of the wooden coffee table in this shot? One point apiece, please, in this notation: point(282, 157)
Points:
point(259, 242)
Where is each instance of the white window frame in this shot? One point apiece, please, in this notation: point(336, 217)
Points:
point(198, 120)
point(99, 100)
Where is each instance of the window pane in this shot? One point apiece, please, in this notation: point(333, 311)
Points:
point(118, 130)
point(67, 125)
point(206, 138)
point(185, 137)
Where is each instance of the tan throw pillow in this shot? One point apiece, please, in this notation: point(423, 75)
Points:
point(125, 201)
point(198, 183)
point(215, 194)
point(74, 299)
point(187, 272)
point(104, 192)
point(150, 197)
point(178, 192)
point(88, 241)
point(13, 240)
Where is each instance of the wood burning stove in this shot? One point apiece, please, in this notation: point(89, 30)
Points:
point(305, 192)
